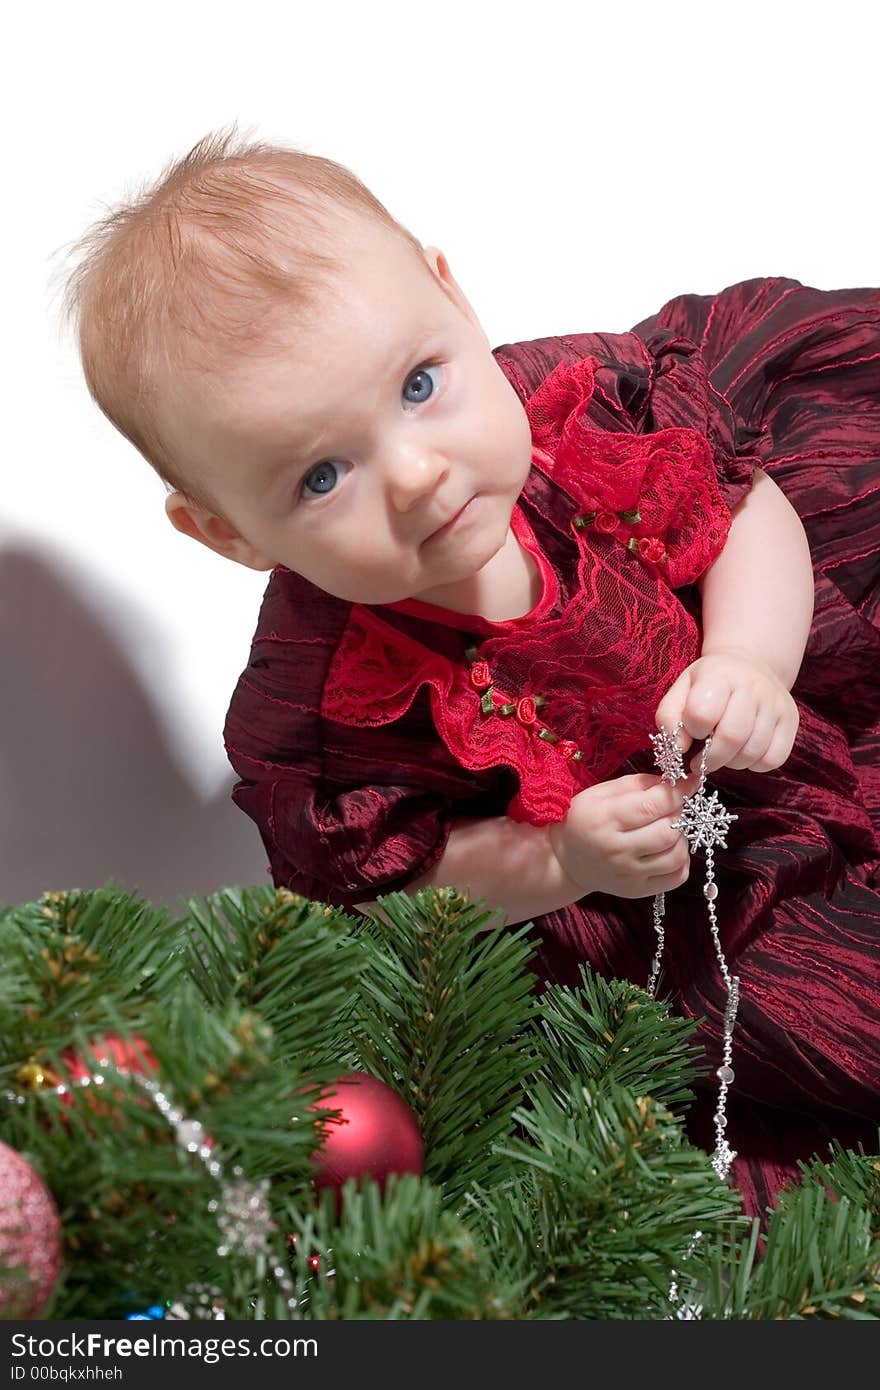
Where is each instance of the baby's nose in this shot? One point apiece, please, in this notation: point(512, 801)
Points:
point(413, 476)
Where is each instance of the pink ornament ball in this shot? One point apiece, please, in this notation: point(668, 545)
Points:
point(30, 1238)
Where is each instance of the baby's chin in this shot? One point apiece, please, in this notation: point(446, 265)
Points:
point(447, 577)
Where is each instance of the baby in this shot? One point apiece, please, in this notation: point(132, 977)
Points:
point(493, 572)
point(319, 392)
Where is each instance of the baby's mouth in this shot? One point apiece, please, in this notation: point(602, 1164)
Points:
point(447, 526)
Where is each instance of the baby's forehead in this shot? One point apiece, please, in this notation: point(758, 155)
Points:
point(260, 381)
point(366, 284)
point(308, 282)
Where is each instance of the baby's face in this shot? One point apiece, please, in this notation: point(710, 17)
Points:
point(378, 452)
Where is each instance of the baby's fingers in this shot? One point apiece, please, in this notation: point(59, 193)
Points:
point(780, 745)
point(642, 805)
point(740, 736)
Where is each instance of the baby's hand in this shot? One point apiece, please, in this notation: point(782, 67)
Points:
point(741, 702)
point(618, 837)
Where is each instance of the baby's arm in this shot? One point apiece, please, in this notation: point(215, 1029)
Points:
point(616, 838)
point(510, 864)
point(758, 595)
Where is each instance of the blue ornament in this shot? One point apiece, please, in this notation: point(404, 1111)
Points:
point(154, 1312)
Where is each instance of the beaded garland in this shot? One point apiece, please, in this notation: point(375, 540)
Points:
point(704, 822)
point(241, 1209)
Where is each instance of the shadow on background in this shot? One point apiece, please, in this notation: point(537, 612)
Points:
point(89, 789)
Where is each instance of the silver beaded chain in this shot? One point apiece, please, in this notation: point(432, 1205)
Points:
point(242, 1209)
point(704, 822)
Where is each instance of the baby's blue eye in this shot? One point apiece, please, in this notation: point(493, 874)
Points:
point(322, 478)
point(420, 386)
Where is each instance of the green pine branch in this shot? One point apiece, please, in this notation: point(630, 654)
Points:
point(294, 961)
point(444, 1008)
point(617, 1196)
point(88, 958)
point(397, 1254)
point(610, 1032)
point(559, 1183)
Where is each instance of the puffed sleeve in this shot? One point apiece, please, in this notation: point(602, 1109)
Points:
point(344, 813)
point(682, 396)
point(343, 846)
point(796, 366)
point(799, 370)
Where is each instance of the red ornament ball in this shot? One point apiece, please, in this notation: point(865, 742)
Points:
point(30, 1238)
point(125, 1054)
point(377, 1133)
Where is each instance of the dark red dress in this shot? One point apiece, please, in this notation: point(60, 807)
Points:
point(359, 733)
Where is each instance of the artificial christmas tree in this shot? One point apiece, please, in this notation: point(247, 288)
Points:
point(160, 1076)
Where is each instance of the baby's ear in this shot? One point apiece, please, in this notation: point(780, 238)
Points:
point(205, 526)
point(439, 268)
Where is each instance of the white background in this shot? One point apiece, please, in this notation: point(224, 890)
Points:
point(579, 164)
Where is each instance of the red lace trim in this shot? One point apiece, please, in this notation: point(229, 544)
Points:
point(374, 678)
point(657, 494)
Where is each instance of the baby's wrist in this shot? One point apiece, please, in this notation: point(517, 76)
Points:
point(563, 851)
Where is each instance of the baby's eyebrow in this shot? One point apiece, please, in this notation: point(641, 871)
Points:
point(295, 444)
point(289, 455)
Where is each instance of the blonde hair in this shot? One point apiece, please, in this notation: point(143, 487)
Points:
point(184, 271)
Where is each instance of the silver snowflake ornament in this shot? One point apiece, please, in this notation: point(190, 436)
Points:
point(722, 1159)
point(667, 754)
point(245, 1217)
point(704, 821)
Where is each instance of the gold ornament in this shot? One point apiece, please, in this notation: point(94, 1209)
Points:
point(33, 1076)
